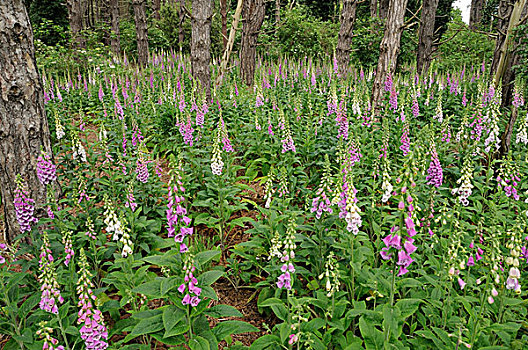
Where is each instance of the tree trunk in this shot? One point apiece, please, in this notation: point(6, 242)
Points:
point(141, 32)
point(202, 11)
point(505, 73)
point(107, 21)
point(389, 49)
point(23, 124)
point(277, 13)
point(223, 13)
point(344, 40)
point(504, 13)
point(115, 40)
point(156, 4)
point(230, 42)
point(181, 17)
point(373, 8)
point(475, 14)
point(384, 8)
point(75, 14)
point(253, 12)
point(426, 36)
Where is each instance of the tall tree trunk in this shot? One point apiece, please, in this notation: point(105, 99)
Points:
point(253, 12)
point(426, 36)
point(23, 124)
point(384, 8)
point(389, 49)
point(75, 14)
point(504, 13)
point(505, 74)
point(156, 4)
point(475, 14)
point(202, 11)
point(230, 42)
point(373, 8)
point(181, 18)
point(277, 13)
point(141, 32)
point(344, 40)
point(107, 21)
point(115, 37)
point(223, 13)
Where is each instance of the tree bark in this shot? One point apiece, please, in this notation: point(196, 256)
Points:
point(389, 49)
point(504, 13)
point(141, 32)
point(426, 36)
point(156, 4)
point(277, 13)
point(23, 124)
point(106, 18)
point(223, 13)
point(373, 8)
point(115, 37)
point(384, 8)
point(181, 17)
point(344, 40)
point(202, 11)
point(253, 12)
point(75, 14)
point(475, 14)
point(230, 42)
point(505, 73)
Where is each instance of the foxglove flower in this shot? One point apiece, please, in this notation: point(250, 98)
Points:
point(465, 188)
point(331, 275)
point(434, 173)
point(288, 254)
point(321, 203)
point(48, 279)
point(68, 249)
point(130, 200)
point(216, 162)
point(24, 206)
point(190, 287)
point(93, 330)
point(142, 173)
point(46, 170)
point(46, 332)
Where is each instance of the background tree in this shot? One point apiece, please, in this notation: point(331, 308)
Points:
point(75, 13)
point(115, 37)
point(223, 14)
point(202, 11)
point(426, 36)
point(253, 12)
point(389, 49)
point(24, 128)
point(141, 32)
point(475, 13)
point(344, 41)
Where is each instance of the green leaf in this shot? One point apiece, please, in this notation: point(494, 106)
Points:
point(199, 343)
point(408, 306)
point(223, 329)
point(372, 336)
point(150, 289)
point(209, 277)
point(265, 342)
point(171, 317)
point(222, 310)
point(146, 326)
point(204, 257)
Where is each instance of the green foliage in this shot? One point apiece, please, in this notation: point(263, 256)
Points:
point(521, 36)
point(299, 35)
point(462, 46)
